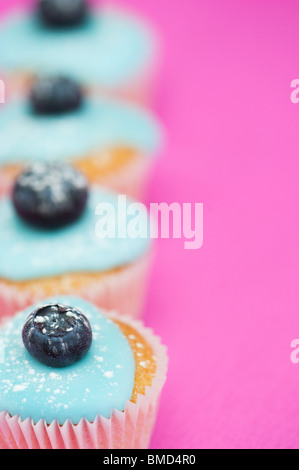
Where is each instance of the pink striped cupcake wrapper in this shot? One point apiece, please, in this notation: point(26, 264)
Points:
point(123, 291)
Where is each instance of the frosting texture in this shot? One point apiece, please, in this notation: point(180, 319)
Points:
point(28, 253)
point(99, 382)
point(109, 49)
point(98, 124)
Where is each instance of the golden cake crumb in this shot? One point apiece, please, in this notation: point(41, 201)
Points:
point(144, 359)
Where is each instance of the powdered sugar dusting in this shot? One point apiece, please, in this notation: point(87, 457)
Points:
point(104, 378)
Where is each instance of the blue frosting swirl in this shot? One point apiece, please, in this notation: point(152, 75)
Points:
point(99, 382)
point(27, 252)
point(109, 49)
point(98, 124)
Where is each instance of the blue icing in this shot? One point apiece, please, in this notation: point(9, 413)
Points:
point(99, 123)
point(109, 49)
point(28, 253)
point(102, 380)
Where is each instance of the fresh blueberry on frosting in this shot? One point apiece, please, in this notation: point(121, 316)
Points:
point(50, 195)
point(55, 95)
point(62, 13)
point(100, 381)
point(57, 335)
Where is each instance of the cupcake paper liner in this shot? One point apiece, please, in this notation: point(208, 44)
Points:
point(128, 429)
point(6, 183)
point(122, 290)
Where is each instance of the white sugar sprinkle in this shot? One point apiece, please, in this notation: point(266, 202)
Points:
point(109, 374)
point(99, 358)
point(52, 375)
point(19, 388)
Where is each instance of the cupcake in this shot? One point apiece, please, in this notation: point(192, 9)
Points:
point(75, 378)
point(113, 143)
point(109, 51)
point(59, 236)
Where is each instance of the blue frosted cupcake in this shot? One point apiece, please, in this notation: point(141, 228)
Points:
point(75, 378)
point(107, 50)
point(60, 236)
point(112, 143)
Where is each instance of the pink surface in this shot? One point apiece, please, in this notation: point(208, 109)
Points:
point(228, 311)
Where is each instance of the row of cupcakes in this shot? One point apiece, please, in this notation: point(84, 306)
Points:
point(77, 370)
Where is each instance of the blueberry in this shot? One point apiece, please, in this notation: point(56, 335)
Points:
point(57, 335)
point(55, 95)
point(50, 195)
point(62, 13)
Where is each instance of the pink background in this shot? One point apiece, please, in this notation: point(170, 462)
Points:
point(229, 311)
